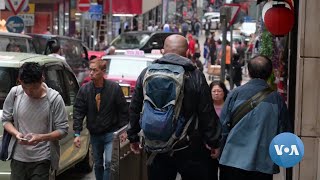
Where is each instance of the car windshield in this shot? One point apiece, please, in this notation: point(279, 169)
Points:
point(126, 67)
point(14, 44)
point(130, 41)
point(8, 79)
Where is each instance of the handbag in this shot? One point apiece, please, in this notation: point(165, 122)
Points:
point(4, 154)
point(6, 138)
point(249, 105)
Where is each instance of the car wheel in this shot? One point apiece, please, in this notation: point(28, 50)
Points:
point(86, 165)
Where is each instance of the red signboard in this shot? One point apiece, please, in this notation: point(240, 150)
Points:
point(124, 6)
point(84, 5)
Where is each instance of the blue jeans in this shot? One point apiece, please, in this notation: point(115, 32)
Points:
point(102, 151)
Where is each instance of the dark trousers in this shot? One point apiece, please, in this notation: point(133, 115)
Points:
point(192, 164)
point(30, 170)
point(231, 173)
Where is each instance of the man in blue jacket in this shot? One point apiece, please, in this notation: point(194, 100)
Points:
point(245, 154)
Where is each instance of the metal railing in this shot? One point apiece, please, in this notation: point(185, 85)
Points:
point(126, 165)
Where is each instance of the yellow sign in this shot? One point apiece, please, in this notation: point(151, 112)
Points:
point(125, 90)
point(29, 9)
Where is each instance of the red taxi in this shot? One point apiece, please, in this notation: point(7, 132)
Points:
point(125, 69)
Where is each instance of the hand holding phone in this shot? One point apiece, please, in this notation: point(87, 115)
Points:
point(24, 139)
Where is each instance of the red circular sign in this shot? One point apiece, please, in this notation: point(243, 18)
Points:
point(84, 5)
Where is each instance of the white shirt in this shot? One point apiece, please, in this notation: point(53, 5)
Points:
point(57, 56)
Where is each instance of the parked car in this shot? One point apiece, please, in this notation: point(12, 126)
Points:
point(59, 76)
point(14, 42)
point(236, 36)
point(213, 17)
point(73, 50)
point(142, 40)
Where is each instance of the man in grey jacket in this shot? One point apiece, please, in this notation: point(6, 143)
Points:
point(35, 115)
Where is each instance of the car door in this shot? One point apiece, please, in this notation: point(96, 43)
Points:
point(72, 155)
point(54, 78)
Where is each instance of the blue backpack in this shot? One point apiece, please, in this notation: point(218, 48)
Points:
point(161, 122)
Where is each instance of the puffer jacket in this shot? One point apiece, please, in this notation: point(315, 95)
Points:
point(197, 101)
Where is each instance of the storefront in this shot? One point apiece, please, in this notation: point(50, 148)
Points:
point(41, 16)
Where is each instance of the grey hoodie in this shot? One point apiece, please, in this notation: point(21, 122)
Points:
point(57, 117)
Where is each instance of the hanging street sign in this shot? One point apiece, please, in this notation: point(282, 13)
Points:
point(16, 6)
point(83, 5)
point(95, 12)
point(15, 24)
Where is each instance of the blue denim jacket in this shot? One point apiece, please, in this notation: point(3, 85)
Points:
point(246, 146)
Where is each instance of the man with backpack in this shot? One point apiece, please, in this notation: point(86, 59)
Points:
point(172, 105)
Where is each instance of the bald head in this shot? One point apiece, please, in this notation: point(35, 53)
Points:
point(260, 67)
point(176, 44)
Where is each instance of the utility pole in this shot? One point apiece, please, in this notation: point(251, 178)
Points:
point(110, 22)
point(225, 16)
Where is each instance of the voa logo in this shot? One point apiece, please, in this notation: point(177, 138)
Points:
point(286, 150)
point(293, 150)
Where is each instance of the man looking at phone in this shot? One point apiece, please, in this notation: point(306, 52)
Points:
point(36, 117)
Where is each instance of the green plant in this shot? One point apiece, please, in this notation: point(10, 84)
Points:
point(266, 47)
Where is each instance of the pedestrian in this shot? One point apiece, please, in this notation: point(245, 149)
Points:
point(102, 44)
point(35, 116)
point(184, 28)
point(103, 104)
point(206, 52)
point(245, 143)
point(191, 46)
point(56, 51)
point(190, 157)
point(219, 94)
point(213, 49)
point(236, 72)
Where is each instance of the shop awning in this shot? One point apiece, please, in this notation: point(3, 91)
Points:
point(124, 6)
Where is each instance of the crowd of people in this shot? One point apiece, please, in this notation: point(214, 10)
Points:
point(207, 142)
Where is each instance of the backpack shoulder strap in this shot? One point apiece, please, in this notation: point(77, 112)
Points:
point(249, 105)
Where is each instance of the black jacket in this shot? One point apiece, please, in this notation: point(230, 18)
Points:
point(113, 112)
point(197, 100)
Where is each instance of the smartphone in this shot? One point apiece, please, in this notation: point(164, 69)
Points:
point(24, 139)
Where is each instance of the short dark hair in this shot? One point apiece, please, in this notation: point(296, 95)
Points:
point(55, 48)
point(222, 86)
point(30, 72)
point(260, 67)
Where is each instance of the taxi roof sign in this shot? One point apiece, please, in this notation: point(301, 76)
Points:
point(156, 51)
point(134, 52)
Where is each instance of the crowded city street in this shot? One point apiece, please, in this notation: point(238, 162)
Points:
point(159, 90)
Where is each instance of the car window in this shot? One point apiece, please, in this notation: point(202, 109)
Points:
point(130, 41)
point(157, 41)
point(125, 67)
point(8, 79)
point(14, 44)
point(71, 85)
point(54, 79)
point(31, 46)
point(40, 44)
point(71, 49)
